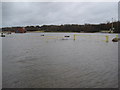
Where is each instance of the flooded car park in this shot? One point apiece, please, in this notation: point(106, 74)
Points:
point(34, 61)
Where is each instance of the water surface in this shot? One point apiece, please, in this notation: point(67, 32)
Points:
point(34, 61)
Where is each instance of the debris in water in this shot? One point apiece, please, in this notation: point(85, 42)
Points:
point(2, 35)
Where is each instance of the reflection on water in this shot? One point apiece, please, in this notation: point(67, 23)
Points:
point(32, 60)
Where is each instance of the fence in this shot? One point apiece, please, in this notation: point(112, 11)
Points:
point(105, 38)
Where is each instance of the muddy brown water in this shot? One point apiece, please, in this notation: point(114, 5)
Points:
point(34, 61)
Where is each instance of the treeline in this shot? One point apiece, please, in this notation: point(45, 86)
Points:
point(72, 28)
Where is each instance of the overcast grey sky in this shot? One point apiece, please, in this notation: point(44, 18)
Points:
point(40, 13)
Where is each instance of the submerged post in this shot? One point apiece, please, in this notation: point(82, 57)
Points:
point(107, 38)
point(117, 36)
point(74, 37)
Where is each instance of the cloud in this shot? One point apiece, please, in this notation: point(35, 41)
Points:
point(40, 13)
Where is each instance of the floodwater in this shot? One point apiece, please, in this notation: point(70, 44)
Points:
point(0, 63)
point(34, 61)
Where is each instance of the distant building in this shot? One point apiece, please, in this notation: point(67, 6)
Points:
point(20, 30)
